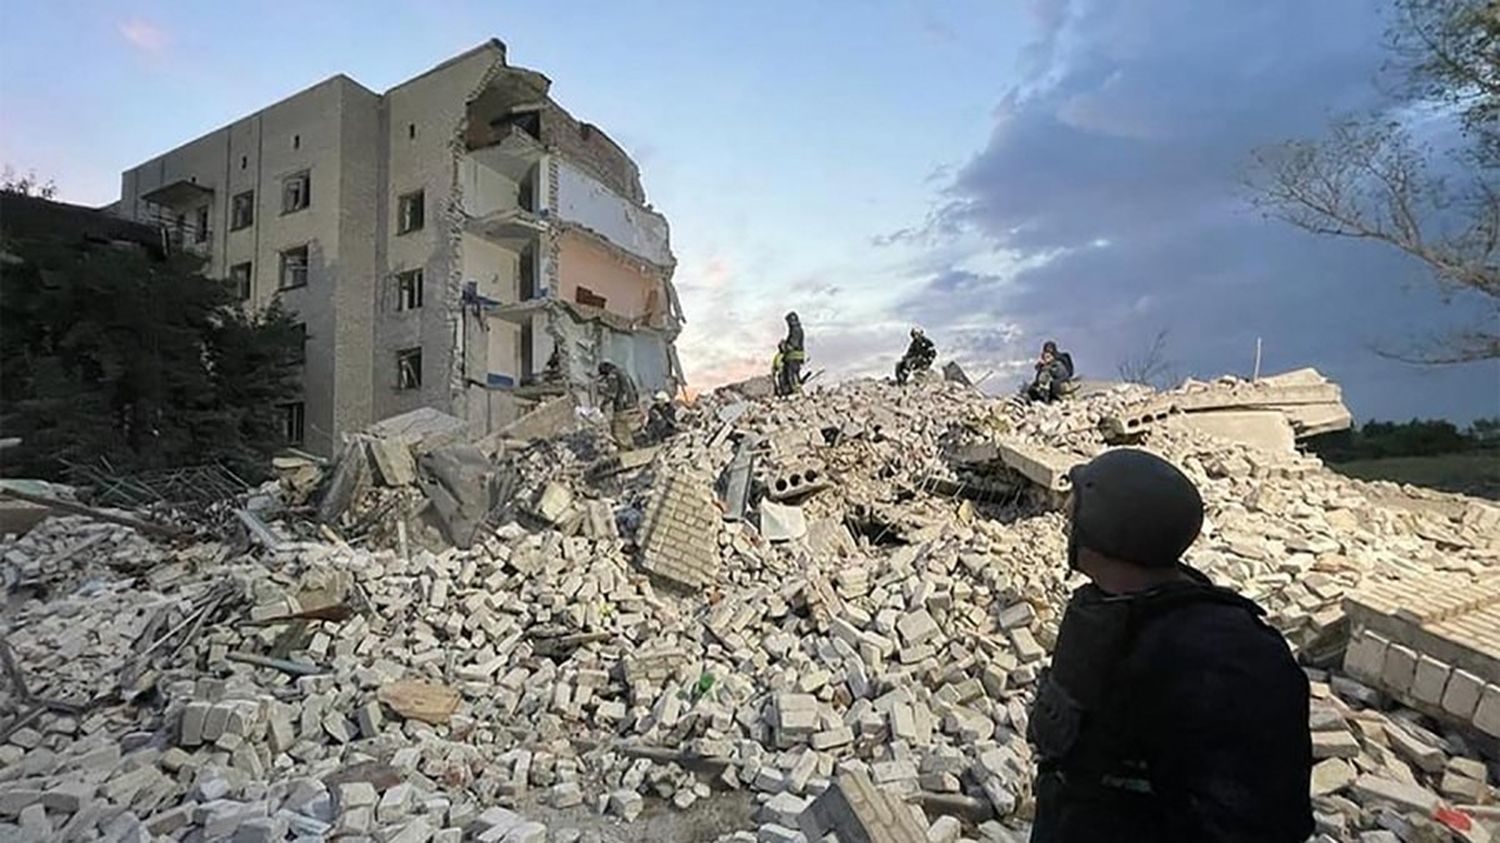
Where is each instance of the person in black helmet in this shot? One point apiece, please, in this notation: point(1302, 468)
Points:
point(1171, 711)
point(918, 358)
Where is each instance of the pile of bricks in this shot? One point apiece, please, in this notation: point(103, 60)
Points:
point(620, 647)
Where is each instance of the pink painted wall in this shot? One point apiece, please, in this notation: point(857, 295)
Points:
point(626, 288)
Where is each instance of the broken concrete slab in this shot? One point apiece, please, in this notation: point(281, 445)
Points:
point(1267, 430)
point(780, 522)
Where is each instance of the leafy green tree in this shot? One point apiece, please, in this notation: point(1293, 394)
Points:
point(109, 352)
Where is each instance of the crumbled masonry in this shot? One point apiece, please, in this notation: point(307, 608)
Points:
point(620, 647)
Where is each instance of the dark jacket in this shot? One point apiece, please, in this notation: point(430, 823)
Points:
point(1066, 360)
point(1197, 730)
point(617, 389)
point(921, 351)
point(794, 337)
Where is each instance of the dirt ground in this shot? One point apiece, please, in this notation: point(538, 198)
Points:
point(705, 821)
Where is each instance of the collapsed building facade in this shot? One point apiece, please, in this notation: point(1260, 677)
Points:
point(441, 242)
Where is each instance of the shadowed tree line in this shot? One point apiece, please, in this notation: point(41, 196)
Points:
point(111, 352)
point(1415, 438)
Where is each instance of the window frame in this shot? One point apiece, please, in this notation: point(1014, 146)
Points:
point(293, 434)
point(402, 226)
point(305, 178)
point(300, 356)
point(235, 223)
point(306, 267)
point(246, 284)
point(403, 300)
point(403, 356)
point(200, 223)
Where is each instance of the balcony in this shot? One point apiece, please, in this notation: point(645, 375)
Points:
point(514, 229)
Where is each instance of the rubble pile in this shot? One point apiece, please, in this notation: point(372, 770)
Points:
point(839, 604)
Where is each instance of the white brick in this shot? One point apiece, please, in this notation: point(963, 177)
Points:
point(1399, 669)
point(1365, 656)
point(1461, 696)
point(1487, 715)
point(1430, 680)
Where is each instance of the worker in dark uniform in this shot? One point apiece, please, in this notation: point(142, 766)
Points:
point(661, 419)
point(1172, 713)
point(793, 355)
point(617, 396)
point(919, 356)
point(1054, 374)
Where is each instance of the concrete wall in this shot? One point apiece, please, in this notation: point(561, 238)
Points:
point(586, 201)
point(363, 151)
point(303, 132)
point(424, 121)
point(359, 272)
point(584, 263)
point(484, 189)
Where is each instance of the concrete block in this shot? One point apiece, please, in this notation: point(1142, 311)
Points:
point(1461, 696)
point(1338, 744)
point(1365, 657)
point(779, 522)
point(1400, 669)
point(946, 829)
point(194, 715)
point(859, 812)
point(1487, 714)
point(1406, 797)
point(356, 795)
point(1267, 430)
point(1430, 680)
point(917, 627)
point(1331, 775)
point(626, 804)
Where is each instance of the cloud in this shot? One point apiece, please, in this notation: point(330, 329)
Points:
point(146, 37)
point(1109, 198)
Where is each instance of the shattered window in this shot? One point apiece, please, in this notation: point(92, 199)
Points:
point(296, 192)
point(242, 212)
point(411, 212)
point(292, 419)
point(240, 275)
point(409, 290)
point(409, 368)
point(294, 268)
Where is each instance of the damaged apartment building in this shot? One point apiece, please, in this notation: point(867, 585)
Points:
point(459, 242)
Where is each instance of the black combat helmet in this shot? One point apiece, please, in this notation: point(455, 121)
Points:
point(1133, 506)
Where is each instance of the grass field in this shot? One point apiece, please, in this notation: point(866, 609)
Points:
point(1475, 473)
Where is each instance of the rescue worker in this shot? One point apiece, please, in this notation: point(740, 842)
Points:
point(552, 373)
point(618, 397)
point(1054, 374)
point(778, 370)
point(1172, 712)
point(661, 418)
point(919, 356)
point(793, 355)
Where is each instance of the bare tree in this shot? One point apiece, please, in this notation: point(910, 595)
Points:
point(1150, 366)
point(1369, 180)
point(27, 185)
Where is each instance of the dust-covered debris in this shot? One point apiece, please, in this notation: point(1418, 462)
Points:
point(483, 647)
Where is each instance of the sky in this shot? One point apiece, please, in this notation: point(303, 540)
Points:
point(998, 172)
